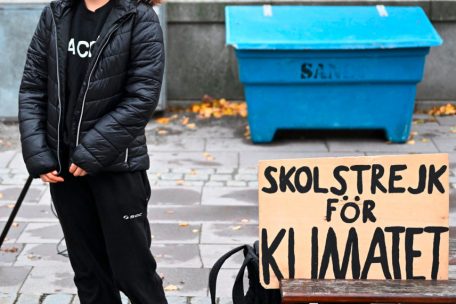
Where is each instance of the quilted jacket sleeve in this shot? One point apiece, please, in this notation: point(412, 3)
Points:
point(114, 131)
point(32, 113)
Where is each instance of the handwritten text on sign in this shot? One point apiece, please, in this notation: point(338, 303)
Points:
point(379, 217)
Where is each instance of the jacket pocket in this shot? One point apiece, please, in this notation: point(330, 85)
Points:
point(146, 185)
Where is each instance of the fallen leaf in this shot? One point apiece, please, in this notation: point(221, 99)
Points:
point(236, 227)
point(171, 287)
point(185, 120)
point(162, 120)
point(9, 249)
point(448, 109)
point(162, 132)
point(183, 224)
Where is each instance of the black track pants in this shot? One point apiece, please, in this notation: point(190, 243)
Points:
point(104, 221)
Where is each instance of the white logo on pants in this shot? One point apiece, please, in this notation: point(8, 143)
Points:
point(129, 217)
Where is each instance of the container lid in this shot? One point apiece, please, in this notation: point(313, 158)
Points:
point(287, 27)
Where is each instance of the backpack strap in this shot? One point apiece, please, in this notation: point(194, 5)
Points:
point(216, 268)
point(238, 287)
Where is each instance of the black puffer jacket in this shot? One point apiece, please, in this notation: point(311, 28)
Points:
point(117, 98)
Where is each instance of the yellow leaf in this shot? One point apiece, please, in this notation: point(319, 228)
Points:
point(171, 287)
point(183, 224)
point(162, 120)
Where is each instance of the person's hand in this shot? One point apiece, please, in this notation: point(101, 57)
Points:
point(51, 177)
point(77, 171)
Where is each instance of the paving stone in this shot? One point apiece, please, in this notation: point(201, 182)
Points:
point(203, 213)
point(237, 144)
point(177, 195)
point(15, 230)
point(58, 298)
point(196, 177)
point(41, 233)
point(445, 145)
point(446, 120)
point(176, 299)
point(171, 176)
point(248, 160)
point(29, 298)
point(192, 183)
point(10, 193)
point(175, 143)
point(231, 196)
point(246, 177)
point(221, 177)
point(433, 130)
point(177, 255)
point(189, 281)
point(186, 170)
point(192, 160)
point(29, 213)
point(253, 185)
point(210, 253)
point(6, 157)
point(214, 233)
point(9, 253)
point(175, 234)
point(215, 184)
point(167, 183)
point(378, 145)
point(11, 278)
point(236, 184)
point(8, 298)
point(17, 162)
point(41, 255)
point(49, 279)
point(225, 170)
point(18, 179)
point(200, 300)
point(253, 171)
point(225, 300)
point(45, 198)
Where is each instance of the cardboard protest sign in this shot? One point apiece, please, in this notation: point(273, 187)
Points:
point(373, 217)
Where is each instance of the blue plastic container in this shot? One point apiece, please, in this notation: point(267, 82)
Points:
point(330, 67)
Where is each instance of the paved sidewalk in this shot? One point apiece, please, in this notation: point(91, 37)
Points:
point(204, 202)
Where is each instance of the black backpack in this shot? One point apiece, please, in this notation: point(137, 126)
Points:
point(256, 294)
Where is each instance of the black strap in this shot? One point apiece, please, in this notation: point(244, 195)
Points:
point(216, 268)
point(238, 287)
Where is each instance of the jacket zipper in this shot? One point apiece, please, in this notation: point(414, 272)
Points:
point(58, 93)
point(90, 76)
point(126, 155)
